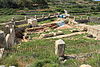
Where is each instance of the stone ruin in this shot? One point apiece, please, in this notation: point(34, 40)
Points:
point(66, 13)
point(92, 30)
point(33, 22)
point(59, 48)
point(85, 65)
point(72, 21)
point(7, 37)
point(51, 34)
point(94, 19)
point(95, 31)
point(5, 66)
point(26, 38)
point(10, 38)
point(1, 52)
point(2, 66)
point(82, 27)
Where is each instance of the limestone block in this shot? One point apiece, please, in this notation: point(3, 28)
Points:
point(10, 38)
point(25, 18)
point(59, 33)
point(12, 34)
point(59, 47)
point(32, 21)
point(85, 65)
point(1, 52)
point(2, 66)
point(46, 35)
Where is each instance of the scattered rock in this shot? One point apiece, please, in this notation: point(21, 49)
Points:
point(2, 66)
point(46, 35)
point(1, 52)
point(59, 33)
point(12, 66)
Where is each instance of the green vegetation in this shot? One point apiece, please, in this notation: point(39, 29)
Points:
point(54, 5)
point(47, 21)
point(5, 18)
point(40, 52)
point(19, 3)
point(93, 23)
point(65, 31)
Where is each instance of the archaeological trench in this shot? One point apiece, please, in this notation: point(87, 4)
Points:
point(13, 33)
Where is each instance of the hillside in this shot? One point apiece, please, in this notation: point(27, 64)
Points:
point(40, 33)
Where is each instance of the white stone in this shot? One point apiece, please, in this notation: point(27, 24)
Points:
point(7, 39)
point(59, 33)
point(25, 18)
point(65, 11)
point(1, 52)
point(85, 65)
point(10, 38)
point(59, 47)
point(12, 34)
point(32, 21)
point(60, 41)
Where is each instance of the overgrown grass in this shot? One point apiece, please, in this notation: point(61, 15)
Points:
point(93, 23)
point(65, 31)
point(5, 18)
point(40, 53)
point(47, 21)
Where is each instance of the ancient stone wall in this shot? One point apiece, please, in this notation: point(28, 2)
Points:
point(95, 31)
point(94, 19)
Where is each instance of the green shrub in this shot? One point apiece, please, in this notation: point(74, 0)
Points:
point(10, 61)
point(51, 65)
point(44, 63)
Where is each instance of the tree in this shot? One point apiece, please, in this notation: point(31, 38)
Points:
point(24, 3)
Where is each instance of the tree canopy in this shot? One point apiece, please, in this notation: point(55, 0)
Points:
point(19, 3)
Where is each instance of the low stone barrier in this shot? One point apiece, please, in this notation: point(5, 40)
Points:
point(95, 31)
point(82, 27)
point(51, 34)
point(21, 22)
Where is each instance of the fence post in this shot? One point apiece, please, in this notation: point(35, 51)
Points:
point(25, 18)
point(49, 15)
point(13, 20)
